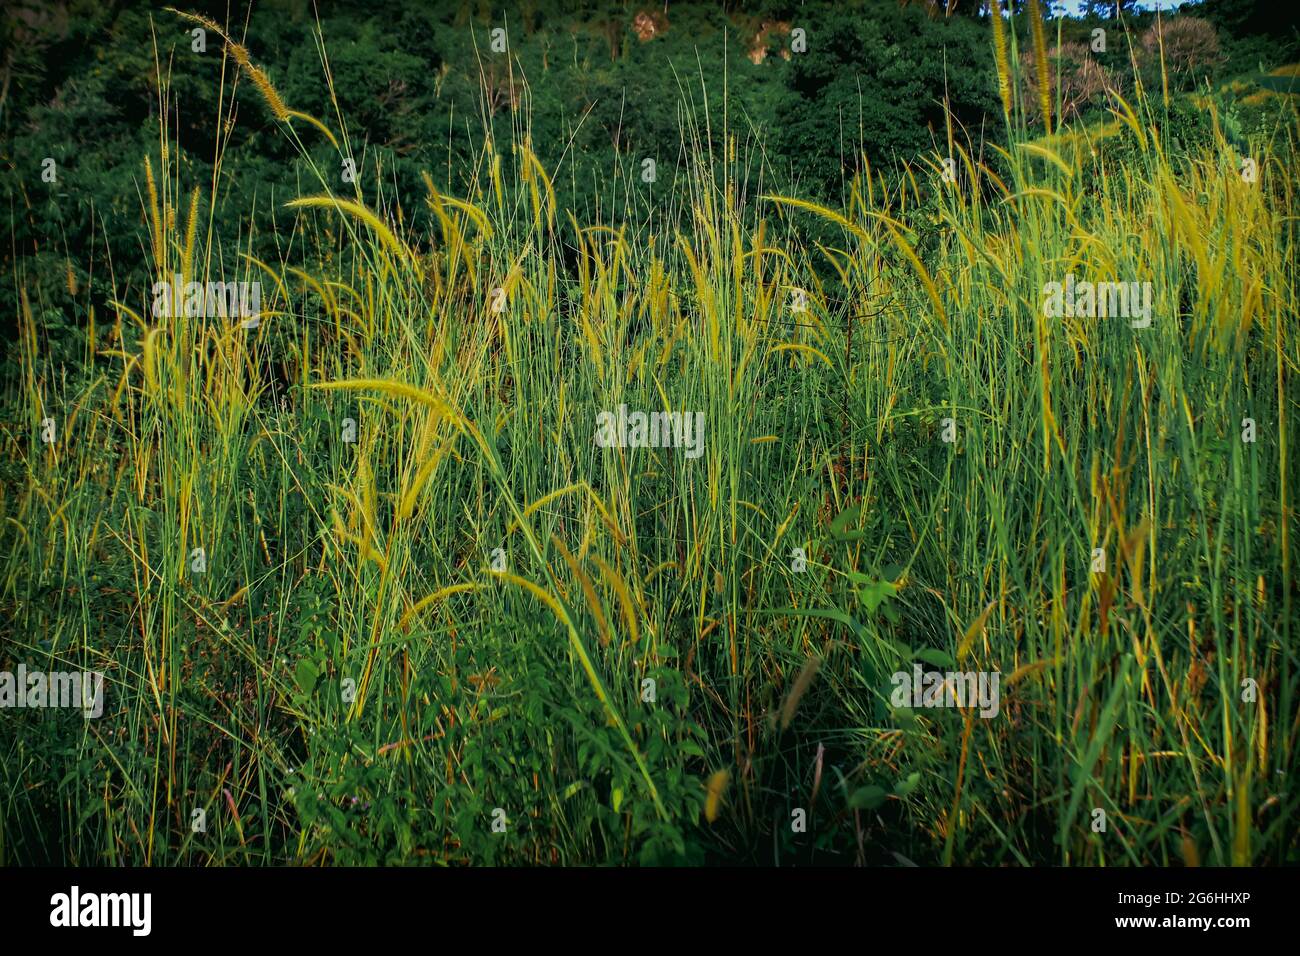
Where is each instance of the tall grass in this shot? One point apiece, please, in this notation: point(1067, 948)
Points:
point(357, 677)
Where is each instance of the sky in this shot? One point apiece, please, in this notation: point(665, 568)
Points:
point(1073, 6)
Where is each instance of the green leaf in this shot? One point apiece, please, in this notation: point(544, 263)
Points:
point(306, 676)
point(875, 593)
point(867, 798)
point(844, 519)
point(932, 655)
point(573, 788)
point(906, 786)
point(905, 718)
point(903, 653)
point(839, 527)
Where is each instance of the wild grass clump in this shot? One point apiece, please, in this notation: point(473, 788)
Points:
point(437, 623)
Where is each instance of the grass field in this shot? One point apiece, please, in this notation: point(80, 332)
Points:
point(365, 588)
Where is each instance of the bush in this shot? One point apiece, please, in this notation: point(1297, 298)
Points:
point(1190, 48)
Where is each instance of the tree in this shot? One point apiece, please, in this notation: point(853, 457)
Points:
point(1108, 9)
